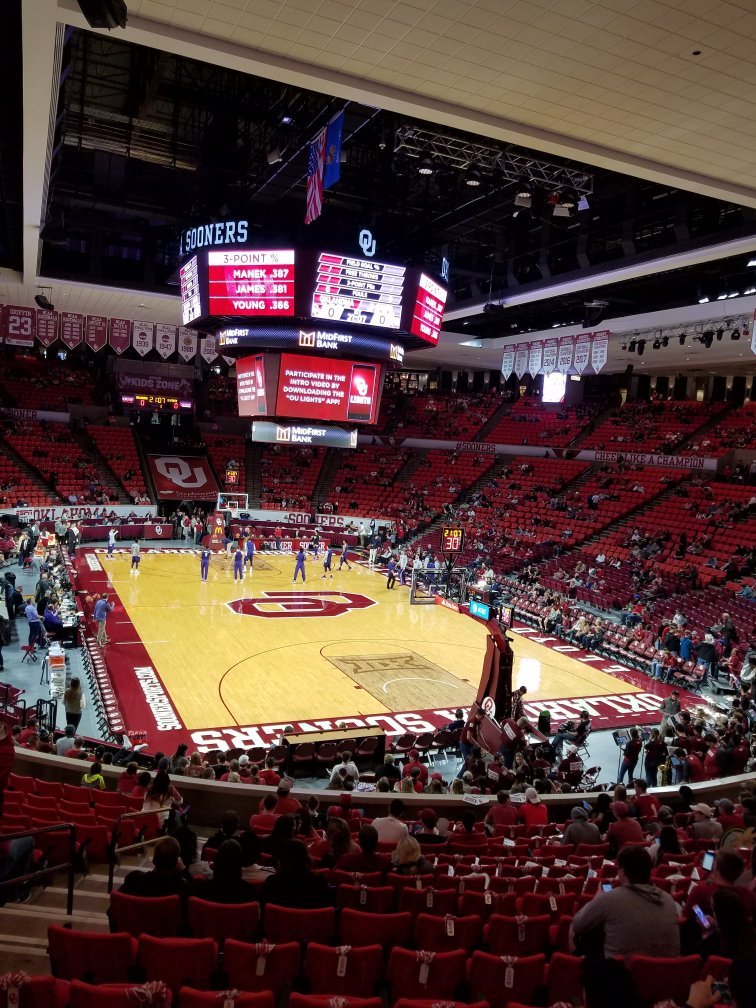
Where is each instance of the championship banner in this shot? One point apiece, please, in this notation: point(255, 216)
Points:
point(564, 355)
point(97, 332)
point(599, 349)
point(507, 363)
point(19, 326)
point(535, 358)
point(582, 351)
point(47, 327)
point(187, 344)
point(143, 337)
point(165, 340)
point(521, 359)
point(71, 329)
point(549, 356)
point(753, 334)
point(120, 334)
point(208, 349)
point(183, 477)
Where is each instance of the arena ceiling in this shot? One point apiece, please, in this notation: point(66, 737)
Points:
point(128, 136)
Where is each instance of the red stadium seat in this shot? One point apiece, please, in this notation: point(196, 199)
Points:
point(425, 974)
point(220, 921)
point(717, 967)
point(178, 962)
point(555, 906)
point(260, 966)
point(39, 992)
point(444, 934)
point(359, 928)
point(159, 916)
point(369, 899)
point(48, 789)
point(190, 998)
point(428, 901)
point(328, 1001)
point(517, 936)
point(345, 970)
point(658, 978)
point(486, 903)
point(283, 924)
point(90, 956)
point(84, 995)
point(565, 979)
point(500, 980)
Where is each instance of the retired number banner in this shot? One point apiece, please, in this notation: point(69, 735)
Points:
point(19, 326)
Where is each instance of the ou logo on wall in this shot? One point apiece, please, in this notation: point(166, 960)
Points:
point(183, 476)
point(278, 605)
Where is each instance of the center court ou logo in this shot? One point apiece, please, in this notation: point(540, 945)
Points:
point(275, 605)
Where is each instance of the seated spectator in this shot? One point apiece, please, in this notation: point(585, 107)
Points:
point(727, 817)
point(646, 806)
point(366, 859)
point(728, 868)
point(427, 835)
point(128, 779)
point(636, 918)
point(337, 844)
point(579, 830)
point(270, 776)
point(93, 777)
point(623, 830)
point(285, 804)
point(142, 785)
point(667, 843)
point(66, 742)
point(264, 821)
point(704, 825)
point(294, 884)
point(408, 858)
point(167, 877)
point(229, 826)
point(414, 764)
point(533, 812)
point(390, 828)
point(503, 813)
point(468, 834)
point(227, 884)
point(389, 769)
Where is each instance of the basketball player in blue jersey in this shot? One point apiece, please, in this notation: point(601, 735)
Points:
point(327, 560)
point(343, 557)
point(238, 564)
point(204, 563)
point(299, 566)
point(249, 556)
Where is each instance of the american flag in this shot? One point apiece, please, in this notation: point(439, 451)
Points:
point(315, 166)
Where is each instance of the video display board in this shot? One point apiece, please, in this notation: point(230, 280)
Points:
point(248, 283)
point(326, 340)
point(220, 286)
point(318, 435)
point(309, 388)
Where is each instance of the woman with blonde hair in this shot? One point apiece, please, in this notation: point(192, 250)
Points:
point(457, 787)
point(406, 786)
point(196, 766)
point(408, 858)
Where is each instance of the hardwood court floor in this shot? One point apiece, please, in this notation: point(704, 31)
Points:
point(312, 652)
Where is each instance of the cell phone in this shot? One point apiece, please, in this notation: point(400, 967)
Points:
point(724, 992)
point(707, 861)
point(701, 917)
point(606, 886)
point(586, 806)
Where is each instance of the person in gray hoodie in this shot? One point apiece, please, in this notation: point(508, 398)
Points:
point(636, 918)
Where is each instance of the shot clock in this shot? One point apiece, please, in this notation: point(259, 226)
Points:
point(452, 539)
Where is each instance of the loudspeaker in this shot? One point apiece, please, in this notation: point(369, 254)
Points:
point(104, 13)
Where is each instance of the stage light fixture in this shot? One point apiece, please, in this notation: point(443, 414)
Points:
point(707, 338)
point(751, 262)
point(632, 345)
point(273, 155)
point(473, 177)
point(683, 336)
point(720, 334)
point(665, 341)
point(425, 167)
point(641, 347)
point(524, 195)
point(735, 334)
point(656, 345)
point(493, 308)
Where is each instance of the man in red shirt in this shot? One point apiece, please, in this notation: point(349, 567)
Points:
point(269, 776)
point(503, 813)
point(571, 768)
point(623, 830)
point(415, 764)
point(727, 816)
point(264, 821)
point(533, 812)
point(646, 805)
point(285, 804)
point(513, 739)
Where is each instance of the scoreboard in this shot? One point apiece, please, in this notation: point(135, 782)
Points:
point(452, 539)
point(156, 403)
point(358, 290)
point(319, 291)
point(249, 283)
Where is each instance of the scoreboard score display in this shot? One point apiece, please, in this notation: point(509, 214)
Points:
point(223, 286)
point(452, 539)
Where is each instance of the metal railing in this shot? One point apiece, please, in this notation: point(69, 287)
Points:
point(115, 850)
point(69, 866)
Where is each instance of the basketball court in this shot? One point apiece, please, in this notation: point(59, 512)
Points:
point(232, 662)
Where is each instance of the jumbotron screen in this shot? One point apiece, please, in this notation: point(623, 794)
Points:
point(269, 287)
point(309, 388)
point(246, 283)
